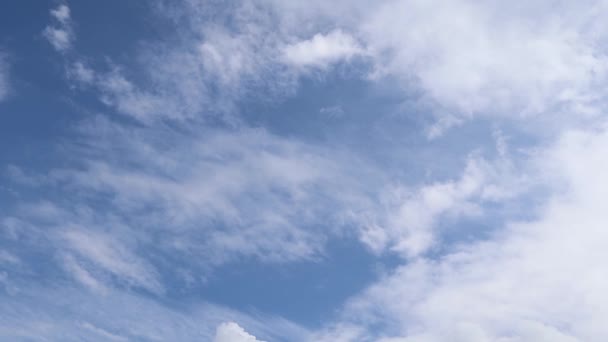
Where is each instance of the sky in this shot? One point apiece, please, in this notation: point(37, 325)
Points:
point(306, 171)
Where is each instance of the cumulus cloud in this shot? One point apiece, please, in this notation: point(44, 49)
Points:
point(486, 58)
point(468, 59)
point(533, 280)
point(232, 332)
point(322, 50)
point(60, 34)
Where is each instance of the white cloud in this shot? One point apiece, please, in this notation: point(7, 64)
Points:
point(537, 280)
point(205, 72)
point(486, 58)
point(212, 67)
point(406, 223)
point(121, 93)
point(81, 73)
point(82, 276)
point(61, 13)
point(220, 196)
point(240, 193)
point(322, 50)
point(472, 58)
point(71, 314)
point(232, 332)
point(60, 38)
point(60, 34)
point(235, 58)
point(141, 103)
point(205, 198)
point(111, 255)
point(465, 58)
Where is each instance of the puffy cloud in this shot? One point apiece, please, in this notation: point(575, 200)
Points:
point(468, 58)
point(532, 280)
point(232, 332)
point(322, 50)
point(60, 34)
point(486, 58)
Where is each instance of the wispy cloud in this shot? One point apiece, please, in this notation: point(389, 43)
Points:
point(203, 73)
point(73, 314)
point(465, 59)
point(410, 219)
point(82, 276)
point(149, 204)
point(205, 197)
point(60, 34)
point(110, 255)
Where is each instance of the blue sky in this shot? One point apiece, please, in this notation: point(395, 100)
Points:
point(241, 171)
